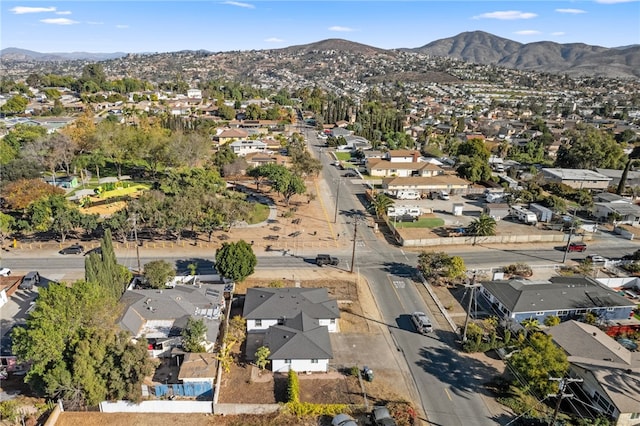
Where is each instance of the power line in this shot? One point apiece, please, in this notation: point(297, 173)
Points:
point(562, 385)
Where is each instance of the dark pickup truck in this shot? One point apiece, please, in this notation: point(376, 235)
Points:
point(325, 259)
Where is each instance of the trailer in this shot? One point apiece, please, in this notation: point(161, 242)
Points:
point(524, 215)
point(544, 214)
point(397, 211)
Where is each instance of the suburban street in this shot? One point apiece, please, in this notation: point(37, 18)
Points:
point(448, 384)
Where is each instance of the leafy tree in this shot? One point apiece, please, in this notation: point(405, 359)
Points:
point(21, 193)
point(158, 273)
point(380, 204)
point(590, 148)
point(104, 269)
point(539, 360)
point(237, 327)
point(440, 264)
point(552, 320)
point(6, 226)
point(236, 260)
point(15, 105)
point(457, 269)
point(483, 226)
point(76, 351)
point(193, 335)
point(262, 357)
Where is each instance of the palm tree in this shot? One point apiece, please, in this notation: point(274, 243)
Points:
point(483, 226)
point(380, 204)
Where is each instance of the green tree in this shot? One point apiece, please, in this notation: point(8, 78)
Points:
point(262, 357)
point(483, 226)
point(590, 148)
point(15, 105)
point(552, 320)
point(293, 387)
point(193, 335)
point(103, 269)
point(380, 204)
point(456, 268)
point(539, 360)
point(158, 273)
point(236, 260)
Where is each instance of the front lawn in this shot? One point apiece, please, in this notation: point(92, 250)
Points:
point(425, 222)
point(260, 213)
point(343, 156)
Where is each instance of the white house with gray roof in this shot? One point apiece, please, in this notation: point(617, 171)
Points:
point(577, 178)
point(564, 297)
point(161, 315)
point(610, 372)
point(294, 323)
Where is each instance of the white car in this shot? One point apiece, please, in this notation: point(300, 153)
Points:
point(5, 272)
point(596, 259)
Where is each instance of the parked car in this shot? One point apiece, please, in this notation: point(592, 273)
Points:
point(596, 259)
point(73, 249)
point(343, 420)
point(30, 280)
point(580, 247)
point(325, 259)
point(380, 416)
point(351, 173)
point(422, 322)
point(5, 272)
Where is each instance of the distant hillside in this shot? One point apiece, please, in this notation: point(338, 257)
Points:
point(338, 45)
point(573, 59)
point(15, 54)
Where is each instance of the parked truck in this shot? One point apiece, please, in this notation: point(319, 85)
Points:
point(524, 215)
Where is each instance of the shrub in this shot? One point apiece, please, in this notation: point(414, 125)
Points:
point(293, 387)
point(354, 371)
point(308, 409)
point(521, 269)
point(551, 320)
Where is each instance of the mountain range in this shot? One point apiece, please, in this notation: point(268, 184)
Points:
point(574, 59)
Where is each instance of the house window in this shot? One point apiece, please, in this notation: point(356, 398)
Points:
point(581, 311)
point(280, 321)
point(287, 361)
point(539, 313)
point(611, 309)
point(563, 313)
point(634, 416)
point(314, 361)
point(259, 323)
point(332, 321)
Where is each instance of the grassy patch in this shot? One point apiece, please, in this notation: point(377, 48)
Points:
point(125, 191)
point(260, 213)
point(343, 156)
point(425, 222)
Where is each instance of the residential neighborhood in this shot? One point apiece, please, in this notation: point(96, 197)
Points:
point(175, 226)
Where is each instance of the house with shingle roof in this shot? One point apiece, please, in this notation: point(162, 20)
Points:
point(426, 184)
point(610, 372)
point(564, 297)
point(230, 135)
point(161, 315)
point(294, 323)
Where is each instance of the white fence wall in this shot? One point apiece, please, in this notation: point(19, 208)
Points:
point(160, 406)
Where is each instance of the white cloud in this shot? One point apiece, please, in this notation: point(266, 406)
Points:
point(527, 32)
point(122, 26)
point(507, 15)
point(239, 4)
point(341, 29)
point(59, 21)
point(273, 40)
point(19, 10)
point(64, 12)
point(95, 23)
point(572, 11)
point(558, 33)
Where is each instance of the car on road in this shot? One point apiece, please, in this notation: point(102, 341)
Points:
point(351, 173)
point(422, 322)
point(596, 259)
point(5, 272)
point(72, 249)
point(30, 280)
point(579, 247)
point(326, 259)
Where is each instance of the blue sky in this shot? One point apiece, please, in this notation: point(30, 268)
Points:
point(166, 26)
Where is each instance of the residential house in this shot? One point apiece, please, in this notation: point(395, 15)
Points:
point(161, 315)
point(612, 206)
point(426, 184)
point(230, 135)
point(402, 163)
point(198, 368)
point(66, 182)
point(565, 297)
point(194, 93)
point(294, 323)
point(610, 373)
point(244, 147)
point(336, 132)
point(633, 177)
point(577, 178)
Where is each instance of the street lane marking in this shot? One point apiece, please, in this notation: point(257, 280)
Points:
point(448, 395)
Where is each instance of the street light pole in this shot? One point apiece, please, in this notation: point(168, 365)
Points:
point(353, 248)
point(471, 297)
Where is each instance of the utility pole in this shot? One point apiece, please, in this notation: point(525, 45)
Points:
point(335, 214)
point(353, 248)
point(471, 299)
point(562, 385)
point(134, 219)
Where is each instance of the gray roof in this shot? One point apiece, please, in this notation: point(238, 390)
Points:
point(576, 174)
point(616, 369)
point(559, 294)
point(622, 209)
point(174, 305)
point(274, 303)
point(300, 337)
point(609, 197)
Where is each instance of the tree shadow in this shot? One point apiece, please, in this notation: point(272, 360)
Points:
point(399, 269)
point(280, 387)
point(203, 266)
point(463, 374)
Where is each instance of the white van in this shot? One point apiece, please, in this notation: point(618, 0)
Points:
point(408, 195)
point(444, 195)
